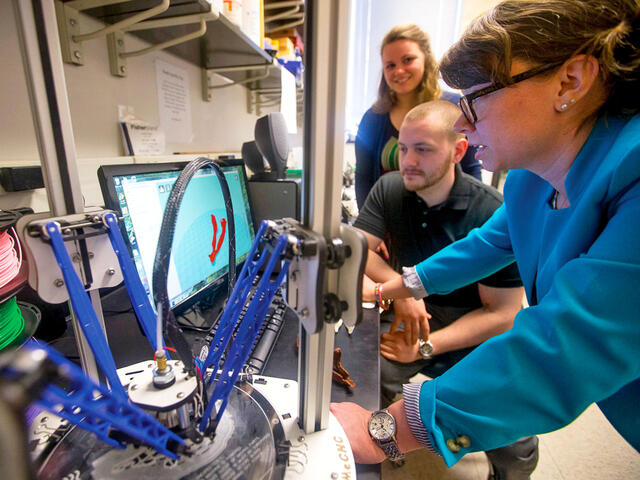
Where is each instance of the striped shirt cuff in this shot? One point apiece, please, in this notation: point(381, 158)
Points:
point(411, 396)
point(412, 282)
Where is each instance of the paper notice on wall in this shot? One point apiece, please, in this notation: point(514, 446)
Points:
point(174, 107)
point(142, 139)
point(139, 137)
point(288, 102)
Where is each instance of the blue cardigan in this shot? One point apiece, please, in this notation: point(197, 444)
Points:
point(579, 341)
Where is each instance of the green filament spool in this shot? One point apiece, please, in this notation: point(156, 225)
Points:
point(11, 322)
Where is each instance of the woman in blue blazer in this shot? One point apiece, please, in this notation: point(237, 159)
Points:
point(551, 94)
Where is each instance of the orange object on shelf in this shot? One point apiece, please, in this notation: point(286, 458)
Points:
point(285, 47)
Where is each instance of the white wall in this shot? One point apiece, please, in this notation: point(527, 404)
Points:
point(221, 125)
point(474, 8)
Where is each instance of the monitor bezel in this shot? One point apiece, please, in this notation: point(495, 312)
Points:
point(105, 179)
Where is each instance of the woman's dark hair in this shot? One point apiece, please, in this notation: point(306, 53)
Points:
point(551, 31)
point(428, 88)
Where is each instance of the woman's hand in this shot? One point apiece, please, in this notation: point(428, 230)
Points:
point(394, 346)
point(355, 423)
point(368, 289)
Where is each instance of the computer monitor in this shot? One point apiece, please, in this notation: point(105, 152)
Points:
point(139, 193)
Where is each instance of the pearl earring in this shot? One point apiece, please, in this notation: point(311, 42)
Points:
point(572, 101)
point(563, 107)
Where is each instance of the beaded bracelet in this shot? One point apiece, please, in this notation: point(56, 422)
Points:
point(384, 304)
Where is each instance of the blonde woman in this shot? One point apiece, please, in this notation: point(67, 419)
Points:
point(409, 78)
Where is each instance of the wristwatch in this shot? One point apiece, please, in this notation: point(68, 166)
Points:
point(382, 428)
point(426, 349)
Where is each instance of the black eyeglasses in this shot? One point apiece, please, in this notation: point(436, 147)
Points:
point(466, 102)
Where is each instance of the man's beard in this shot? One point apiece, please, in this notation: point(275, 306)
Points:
point(430, 179)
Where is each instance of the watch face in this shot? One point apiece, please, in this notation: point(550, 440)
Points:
point(426, 349)
point(382, 425)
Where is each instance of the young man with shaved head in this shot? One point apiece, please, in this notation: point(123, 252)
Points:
point(416, 212)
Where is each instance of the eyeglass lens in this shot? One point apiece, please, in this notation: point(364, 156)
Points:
point(466, 109)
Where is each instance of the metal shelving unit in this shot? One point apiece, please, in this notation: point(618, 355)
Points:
point(222, 47)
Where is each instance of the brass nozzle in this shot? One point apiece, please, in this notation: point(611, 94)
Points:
point(161, 360)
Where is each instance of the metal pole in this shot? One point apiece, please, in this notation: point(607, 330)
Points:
point(44, 72)
point(326, 37)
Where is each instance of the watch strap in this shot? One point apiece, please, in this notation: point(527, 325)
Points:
point(390, 449)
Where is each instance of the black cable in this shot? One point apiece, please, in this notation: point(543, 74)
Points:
point(163, 252)
point(187, 324)
point(8, 218)
point(193, 327)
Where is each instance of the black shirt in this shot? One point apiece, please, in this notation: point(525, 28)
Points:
point(415, 231)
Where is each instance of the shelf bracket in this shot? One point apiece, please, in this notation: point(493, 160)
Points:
point(260, 98)
point(294, 23)
point(68, 17)
point(285, 14)
point(294, 14)
point(207, 76)
point(115, 40)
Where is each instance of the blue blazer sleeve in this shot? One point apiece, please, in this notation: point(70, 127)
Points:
point(481, 253)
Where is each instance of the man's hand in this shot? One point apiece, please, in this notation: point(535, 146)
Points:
point(355, 423)
point(394, 346)
point(368, 289)
point(415, 317)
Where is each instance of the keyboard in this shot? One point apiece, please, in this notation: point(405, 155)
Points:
point(267, 336)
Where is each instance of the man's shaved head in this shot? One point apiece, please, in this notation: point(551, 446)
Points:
point(438, 112)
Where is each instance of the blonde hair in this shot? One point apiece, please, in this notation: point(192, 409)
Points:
point(428, 88)
point(552, 31)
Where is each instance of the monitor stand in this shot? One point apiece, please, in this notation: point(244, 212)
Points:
point(205, 310)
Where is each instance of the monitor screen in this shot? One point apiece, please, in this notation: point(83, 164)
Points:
point(200, 249)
